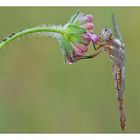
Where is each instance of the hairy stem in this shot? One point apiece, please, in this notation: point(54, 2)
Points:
point(26, 32)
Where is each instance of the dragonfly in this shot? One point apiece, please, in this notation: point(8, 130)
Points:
point(114, 47)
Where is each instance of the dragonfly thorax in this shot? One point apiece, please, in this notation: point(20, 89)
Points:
point(119, 43)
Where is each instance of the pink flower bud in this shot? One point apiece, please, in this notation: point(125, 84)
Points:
point(82, 48)
point(86, 39)
point(70, 62)
point(89, 18)
point(69, 59)
point(88, 26)
point(78, 52)
point(94, 38)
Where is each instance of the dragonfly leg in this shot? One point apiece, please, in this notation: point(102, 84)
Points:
point(92, 55)
point(97, 48)
point(100, 45)
point(94, 47)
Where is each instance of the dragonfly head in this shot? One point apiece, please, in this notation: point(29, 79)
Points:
point(106, 34)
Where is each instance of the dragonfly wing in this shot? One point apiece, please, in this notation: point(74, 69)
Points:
point(119, 70)
point(116, 28)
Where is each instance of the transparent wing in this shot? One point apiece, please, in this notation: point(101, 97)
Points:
point(116, 28)
point(119, 52)
point(119, 70)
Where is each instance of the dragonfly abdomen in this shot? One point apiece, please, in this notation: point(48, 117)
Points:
point(118, 78)
point(119, 85)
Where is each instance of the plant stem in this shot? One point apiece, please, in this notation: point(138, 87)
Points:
point(26, 32)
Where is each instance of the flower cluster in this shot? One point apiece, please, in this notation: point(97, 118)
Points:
point(78, 33)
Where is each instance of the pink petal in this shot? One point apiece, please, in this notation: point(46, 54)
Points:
point(94, 38)
point(83, 48)
point(86, 39)
point(78, 52)
point(70, 61)
point(88, 26)
point(89, 18)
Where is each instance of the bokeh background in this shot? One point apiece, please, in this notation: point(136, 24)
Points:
point(39, 93)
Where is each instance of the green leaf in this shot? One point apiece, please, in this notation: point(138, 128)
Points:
point(73, 29)
point(66, 48)
point(75, 38)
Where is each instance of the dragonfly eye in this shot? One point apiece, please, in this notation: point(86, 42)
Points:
point(106, 34)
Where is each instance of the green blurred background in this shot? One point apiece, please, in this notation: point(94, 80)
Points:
point(39, 93)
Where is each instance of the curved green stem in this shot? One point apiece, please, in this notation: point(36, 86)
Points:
point(26, 32)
